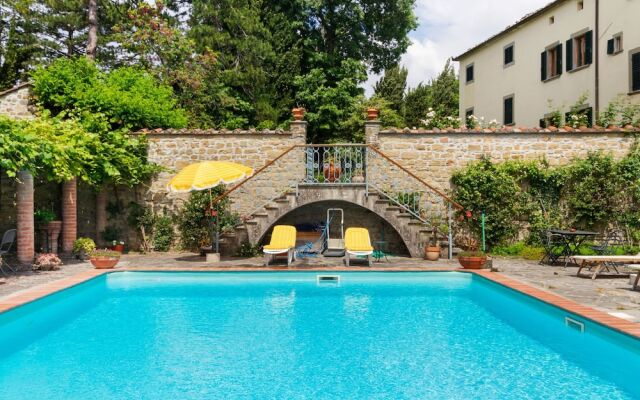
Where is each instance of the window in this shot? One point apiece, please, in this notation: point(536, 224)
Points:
point(468, 113)
point(580, 5)
point(551, 62)
point(634, 70)
point(508, 110)
point(579, 51)
point(614, 45)
point(552, 20)
point(508, 55)
point(469, 73)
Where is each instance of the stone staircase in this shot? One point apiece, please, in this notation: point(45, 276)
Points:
point(414, 232)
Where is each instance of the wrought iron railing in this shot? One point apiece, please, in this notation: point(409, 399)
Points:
point(335, 164)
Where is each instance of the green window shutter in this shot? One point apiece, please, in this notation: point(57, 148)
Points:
point(569, 55)
point(559, 59)
point(542, 123)
point(635, 72)
point(508, 111)
point(543, 66)
point(610, 46)
point(589, 48)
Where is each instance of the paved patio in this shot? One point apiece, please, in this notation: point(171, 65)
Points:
point(610, 295)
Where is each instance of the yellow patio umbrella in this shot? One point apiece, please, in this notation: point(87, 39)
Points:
point(207, 175)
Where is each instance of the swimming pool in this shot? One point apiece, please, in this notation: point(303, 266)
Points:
point(285, 335)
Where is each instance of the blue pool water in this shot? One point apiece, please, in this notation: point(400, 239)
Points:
point(137, 335)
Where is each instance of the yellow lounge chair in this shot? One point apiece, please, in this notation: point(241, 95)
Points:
point(357, 243)
point(283, 241)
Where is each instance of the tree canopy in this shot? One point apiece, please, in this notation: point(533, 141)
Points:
point(227, 63)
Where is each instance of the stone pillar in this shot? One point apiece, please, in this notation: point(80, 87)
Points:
point(25, 222)
point(69, 215)
point(299, 130)
point(101, 214)
point(372, 127)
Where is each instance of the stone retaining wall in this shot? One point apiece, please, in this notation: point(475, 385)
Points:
point(175, 149)
point(435, 155)
point(14, 102)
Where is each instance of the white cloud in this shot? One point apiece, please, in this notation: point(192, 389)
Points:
point(449, 27)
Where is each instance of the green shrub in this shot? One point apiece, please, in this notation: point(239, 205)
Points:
point(163, 233)
point(511, 250)
point(532, 253)
point(195, 226)
point(248, 250)
point(83, 246)
point(44, 216)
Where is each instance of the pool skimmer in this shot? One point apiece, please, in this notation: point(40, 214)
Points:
point(328, 279)
point(572, 323)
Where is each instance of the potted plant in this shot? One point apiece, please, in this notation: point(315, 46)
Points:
point(104, 259)
point(82, 247)
point(46, 262)
point(432, 249)
point(298, 113)
point(331, 172)
point(117, 245)
point(49, 228)
point(112, 234)
point(472, 258)
point(358, 176)
point(372, 114)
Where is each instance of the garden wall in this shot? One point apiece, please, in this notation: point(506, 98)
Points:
point(14, 102)
point(174, 149)
point(436, 155)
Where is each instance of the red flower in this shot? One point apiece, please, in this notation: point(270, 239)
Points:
point(468, 214)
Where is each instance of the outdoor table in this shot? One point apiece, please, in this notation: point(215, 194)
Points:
point(572, 241)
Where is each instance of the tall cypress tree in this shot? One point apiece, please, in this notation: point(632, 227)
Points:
point(392, 86)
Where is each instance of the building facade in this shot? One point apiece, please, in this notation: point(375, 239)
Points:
point(550, 59)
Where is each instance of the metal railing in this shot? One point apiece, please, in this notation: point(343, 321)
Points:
point(335, 164)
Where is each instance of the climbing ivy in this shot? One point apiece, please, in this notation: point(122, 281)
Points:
point(529, 197)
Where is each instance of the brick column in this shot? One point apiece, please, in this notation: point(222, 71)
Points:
point(25, 223)
point(101, 215)
point(372, 127)
point(69, 215)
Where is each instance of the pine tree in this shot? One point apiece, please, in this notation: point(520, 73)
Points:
point(444, 93)
point(416, 104)
point(392, 86)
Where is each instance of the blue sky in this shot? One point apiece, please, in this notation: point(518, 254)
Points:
point(449, 27)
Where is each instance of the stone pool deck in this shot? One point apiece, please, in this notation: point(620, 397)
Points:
point(612, 296)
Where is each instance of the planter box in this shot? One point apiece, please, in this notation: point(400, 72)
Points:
point(475, 262)
point(104, 262)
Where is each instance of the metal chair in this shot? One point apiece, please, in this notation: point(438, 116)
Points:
point(5, 246)
point(553, 248)
point(607, 247)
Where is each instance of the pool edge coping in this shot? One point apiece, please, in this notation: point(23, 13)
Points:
point(629, 328)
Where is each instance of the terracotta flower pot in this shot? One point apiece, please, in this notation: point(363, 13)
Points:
point(432, 253)
point(472, 262)
point(49, 234)
point(331, 172)
point(118, 247)
point(298, 114)
point(372, 114)
point(104, 262)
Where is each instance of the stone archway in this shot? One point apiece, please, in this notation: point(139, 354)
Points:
point(306, 216)
point(413, 233)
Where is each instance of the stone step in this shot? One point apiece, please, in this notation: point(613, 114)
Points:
point(252, 222)
point(271, 207)
point(393, 208)
point(281, 200)
point(260, 215)
point(240, 227)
